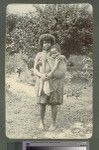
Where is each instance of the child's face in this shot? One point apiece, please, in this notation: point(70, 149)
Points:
point(54, 52)
point(46, 45)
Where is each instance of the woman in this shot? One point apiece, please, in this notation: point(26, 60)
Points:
point(43, 71)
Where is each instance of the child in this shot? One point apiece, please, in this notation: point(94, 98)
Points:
point(55, 60)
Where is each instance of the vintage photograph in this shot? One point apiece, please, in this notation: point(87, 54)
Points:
point(49, 71)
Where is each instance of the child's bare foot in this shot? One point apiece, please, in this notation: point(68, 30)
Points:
point(41, 126)
point(52, 128)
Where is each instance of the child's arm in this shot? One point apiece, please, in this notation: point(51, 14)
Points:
point(53, 68)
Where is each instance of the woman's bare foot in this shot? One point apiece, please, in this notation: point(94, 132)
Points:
point(52, 128)
point(41, 126)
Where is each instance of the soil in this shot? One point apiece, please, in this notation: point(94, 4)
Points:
point(74, 120)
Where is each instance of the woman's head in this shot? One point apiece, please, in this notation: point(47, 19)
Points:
point(46, 45)
point(46, 41)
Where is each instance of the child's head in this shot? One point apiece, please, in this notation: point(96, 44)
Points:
point(55, 50)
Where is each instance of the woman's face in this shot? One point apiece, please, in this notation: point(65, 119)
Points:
point(46, 45)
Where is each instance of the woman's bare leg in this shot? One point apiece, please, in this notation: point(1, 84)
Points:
point(42, 115)
point(54, 115)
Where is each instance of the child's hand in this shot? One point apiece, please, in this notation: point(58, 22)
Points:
point(49, 75)
point(57, 60)
point(44, 76)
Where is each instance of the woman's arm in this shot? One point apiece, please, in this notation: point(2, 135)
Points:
point(36, 71)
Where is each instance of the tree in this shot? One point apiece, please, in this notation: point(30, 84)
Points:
point(72, 25)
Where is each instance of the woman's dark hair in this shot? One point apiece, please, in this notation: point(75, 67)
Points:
point(46, 37)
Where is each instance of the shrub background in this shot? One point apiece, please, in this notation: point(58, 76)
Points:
point(72, 26)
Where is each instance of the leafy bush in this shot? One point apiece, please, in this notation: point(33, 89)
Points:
point(81, 70)
point(72, 25)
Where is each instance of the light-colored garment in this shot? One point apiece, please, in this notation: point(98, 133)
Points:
point(44, 85)
point(46, 64)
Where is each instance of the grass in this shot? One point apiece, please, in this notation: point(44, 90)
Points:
point(74, 120)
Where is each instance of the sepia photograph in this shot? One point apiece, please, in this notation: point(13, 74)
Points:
point(49, 71)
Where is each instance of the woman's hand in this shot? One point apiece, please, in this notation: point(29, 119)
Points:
point(44, 76)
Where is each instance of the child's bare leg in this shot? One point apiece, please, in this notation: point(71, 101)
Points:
point(54, 115)
point(42, 115)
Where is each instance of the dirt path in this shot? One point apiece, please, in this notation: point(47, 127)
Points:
point(15, 85)
point(22, 114)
